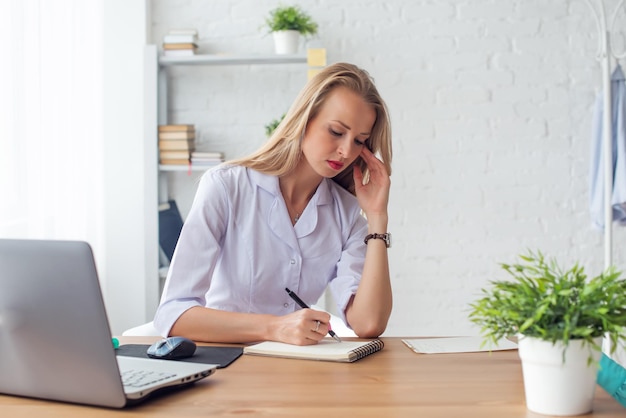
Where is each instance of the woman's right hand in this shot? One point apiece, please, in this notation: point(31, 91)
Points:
point(300, 327)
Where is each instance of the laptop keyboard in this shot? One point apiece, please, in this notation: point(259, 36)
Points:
point(141, 378)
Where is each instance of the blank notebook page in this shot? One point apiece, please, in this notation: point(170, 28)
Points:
point(327, 349)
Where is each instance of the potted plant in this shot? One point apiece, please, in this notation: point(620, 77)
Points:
point(287, 24)
point(560, 318)
point(273, 124)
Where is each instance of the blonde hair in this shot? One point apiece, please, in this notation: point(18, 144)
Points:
point(282, 152)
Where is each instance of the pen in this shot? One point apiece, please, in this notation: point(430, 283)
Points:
point(305, 306)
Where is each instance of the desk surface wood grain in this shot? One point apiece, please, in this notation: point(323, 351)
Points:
point(395, 382)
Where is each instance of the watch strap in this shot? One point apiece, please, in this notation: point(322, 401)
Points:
point(384, 237)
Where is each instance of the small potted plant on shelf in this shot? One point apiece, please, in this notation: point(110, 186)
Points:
point(560, 318)
point(287, 24)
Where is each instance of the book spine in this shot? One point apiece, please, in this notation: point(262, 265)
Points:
point(180, 46)
point(191, 135)
point(180, 39)
point(183, 31)
point(176, 145)
point(176, 128)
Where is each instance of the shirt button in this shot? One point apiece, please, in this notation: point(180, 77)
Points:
point(293, 261)
point(286, 305)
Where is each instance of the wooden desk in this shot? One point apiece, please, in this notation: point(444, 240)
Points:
point(395, 382)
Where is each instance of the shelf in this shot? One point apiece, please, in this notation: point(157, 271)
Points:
point(226, 59)
point(199, 167)
point(159, 70)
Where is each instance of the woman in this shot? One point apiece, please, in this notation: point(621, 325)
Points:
point(289, 216)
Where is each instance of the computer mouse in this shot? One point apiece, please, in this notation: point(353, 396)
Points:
point(172, 348)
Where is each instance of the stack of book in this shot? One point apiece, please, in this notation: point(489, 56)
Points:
point(207, 158)
point(180, 42)
point(176, 143)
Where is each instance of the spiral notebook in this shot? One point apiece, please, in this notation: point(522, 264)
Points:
point(325, 350)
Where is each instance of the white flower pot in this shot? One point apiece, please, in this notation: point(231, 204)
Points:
point(286, 41)
point(554, 386)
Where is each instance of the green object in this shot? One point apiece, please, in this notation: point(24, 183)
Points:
point(546, 302)
point(270, 127)
point(291, 18)
point(116, 343)
point(612, 378)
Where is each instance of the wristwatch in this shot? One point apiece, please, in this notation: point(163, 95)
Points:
point(385, 237)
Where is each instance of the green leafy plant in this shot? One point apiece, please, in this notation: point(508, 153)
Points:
point(270, 127)
point(548, 303)
point(291, 18)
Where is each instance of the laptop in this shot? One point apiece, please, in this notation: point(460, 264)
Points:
point(55, 340)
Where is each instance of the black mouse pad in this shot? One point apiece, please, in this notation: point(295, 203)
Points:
point(208, 355)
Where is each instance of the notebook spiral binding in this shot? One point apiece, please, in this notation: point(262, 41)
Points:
point(366, 350)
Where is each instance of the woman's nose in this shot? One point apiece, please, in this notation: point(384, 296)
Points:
point(346, 148)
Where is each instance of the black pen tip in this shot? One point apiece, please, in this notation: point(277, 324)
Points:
point(287, 290)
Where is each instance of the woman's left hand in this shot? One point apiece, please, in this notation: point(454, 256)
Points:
point(373, 196)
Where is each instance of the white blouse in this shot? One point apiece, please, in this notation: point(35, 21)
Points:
point(238, 249)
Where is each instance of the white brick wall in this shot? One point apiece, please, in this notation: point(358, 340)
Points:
point(491, 104)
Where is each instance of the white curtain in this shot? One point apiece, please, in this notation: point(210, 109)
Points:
point(51, 112)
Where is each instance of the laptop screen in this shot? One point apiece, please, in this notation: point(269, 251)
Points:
point(54, 333)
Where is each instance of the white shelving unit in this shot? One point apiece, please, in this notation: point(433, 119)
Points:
point(156, 95)
point(224, 59)
point(207, 60)
point(212, 60)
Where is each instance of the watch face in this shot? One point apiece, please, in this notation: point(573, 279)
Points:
point(388, 239)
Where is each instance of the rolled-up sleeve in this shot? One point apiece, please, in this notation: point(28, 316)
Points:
point(350, 266)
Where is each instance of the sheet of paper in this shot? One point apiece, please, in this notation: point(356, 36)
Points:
point(456, 345)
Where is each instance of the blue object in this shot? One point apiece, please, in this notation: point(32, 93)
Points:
point(170, 225)
point(172, 348)
point(116, 343)
point(612, 378)
point(618, 140)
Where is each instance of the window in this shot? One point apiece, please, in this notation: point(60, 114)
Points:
point(51, 111)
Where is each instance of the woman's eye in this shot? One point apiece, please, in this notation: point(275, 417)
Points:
point(359, 143)
point(335, 133)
